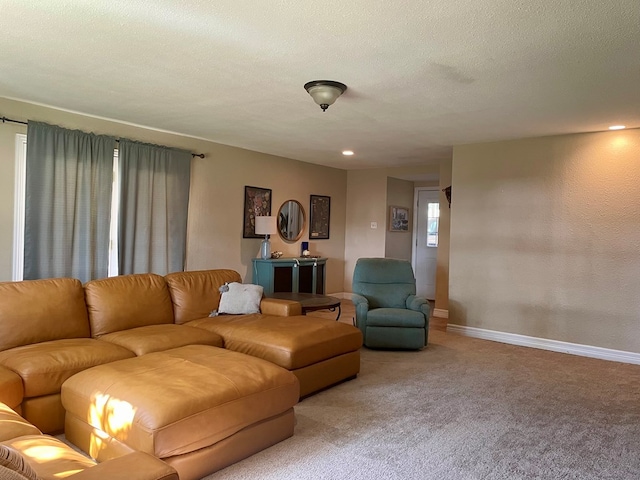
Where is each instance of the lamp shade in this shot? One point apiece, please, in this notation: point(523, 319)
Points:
point(325, 92)
point(266, 225)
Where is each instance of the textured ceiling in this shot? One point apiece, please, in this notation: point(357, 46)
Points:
point(422, 75)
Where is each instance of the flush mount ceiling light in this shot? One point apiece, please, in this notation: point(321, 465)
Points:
point(325, 92)
point(617, 127)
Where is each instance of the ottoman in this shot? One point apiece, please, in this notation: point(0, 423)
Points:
point(320, 352)
point(199, 408)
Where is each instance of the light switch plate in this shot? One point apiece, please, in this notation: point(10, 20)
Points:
point(374, 224)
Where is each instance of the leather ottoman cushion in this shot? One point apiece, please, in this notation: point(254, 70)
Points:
point(181, 400)
point(290, 342)
point(45, 366)
point(156, 338)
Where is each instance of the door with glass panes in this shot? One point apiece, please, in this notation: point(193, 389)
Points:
point(426, 241)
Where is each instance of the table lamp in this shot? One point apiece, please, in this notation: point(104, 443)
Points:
point(265, 226)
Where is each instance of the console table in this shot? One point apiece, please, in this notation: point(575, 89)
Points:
point(297, 275)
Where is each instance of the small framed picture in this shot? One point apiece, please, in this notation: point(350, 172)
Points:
point(398, 219)
point(257, 203)
point(319, 217)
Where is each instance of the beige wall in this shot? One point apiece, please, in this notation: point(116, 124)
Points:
point(366, 203)
point(217, 190)
point(545, 235)
point(400, 194)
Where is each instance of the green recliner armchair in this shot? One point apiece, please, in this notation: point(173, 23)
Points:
point(388, 312)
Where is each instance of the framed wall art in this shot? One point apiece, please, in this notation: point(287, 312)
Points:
point(398, 219)
point(257, 203)
point(319, 217)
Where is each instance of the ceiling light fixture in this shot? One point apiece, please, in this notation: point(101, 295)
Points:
point(617, 127)
point(325, 92)
point(347, 153)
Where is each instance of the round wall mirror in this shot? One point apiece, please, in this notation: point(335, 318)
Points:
point(291, 220)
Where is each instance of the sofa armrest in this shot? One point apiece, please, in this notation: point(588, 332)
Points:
point(13, 425)
point(134, 466)
point(11, 387)
point(280, 307)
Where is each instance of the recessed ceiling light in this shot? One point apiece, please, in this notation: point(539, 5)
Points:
point(617, 127)
point(348, 153)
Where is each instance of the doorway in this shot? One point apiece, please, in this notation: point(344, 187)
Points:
point(426, 224)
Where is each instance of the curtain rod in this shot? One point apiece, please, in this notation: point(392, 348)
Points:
point(5, 119)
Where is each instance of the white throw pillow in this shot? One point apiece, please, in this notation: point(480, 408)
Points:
point(241, 298)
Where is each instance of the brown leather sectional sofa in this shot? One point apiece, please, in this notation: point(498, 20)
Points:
point(53, 329)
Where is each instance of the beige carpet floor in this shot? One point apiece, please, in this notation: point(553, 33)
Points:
point(464, 408)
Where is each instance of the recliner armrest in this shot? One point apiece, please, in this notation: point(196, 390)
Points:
point(359, 299)
point(136, 465)
point(419, 304)
point(362, 308)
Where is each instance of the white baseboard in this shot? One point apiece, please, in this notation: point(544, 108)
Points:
point(440, 313)
point(546, 344)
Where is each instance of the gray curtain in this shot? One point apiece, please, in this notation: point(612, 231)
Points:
point(154, 200)
point(68, 203)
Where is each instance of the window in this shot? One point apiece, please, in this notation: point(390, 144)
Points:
point(433, 223)
point(92, 209)
point(19, 212)
point(113, 226)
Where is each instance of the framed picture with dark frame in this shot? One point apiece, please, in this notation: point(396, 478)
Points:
point(398, 219)
point(257, 203)
point(319, 217)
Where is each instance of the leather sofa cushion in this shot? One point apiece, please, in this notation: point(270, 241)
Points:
point(195, 294)
point(36, 311)
point(213, 393)
point(290, 342)
point(127, 301)
point(44, 366)
point(11, 388)
point(13, 425)
point(156, 338)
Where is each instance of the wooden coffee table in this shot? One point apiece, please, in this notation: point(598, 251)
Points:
point(311, 301)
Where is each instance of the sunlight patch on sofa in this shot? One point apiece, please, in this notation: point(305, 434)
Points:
point(67, 473)
point(44, 453)
point(108, 414)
